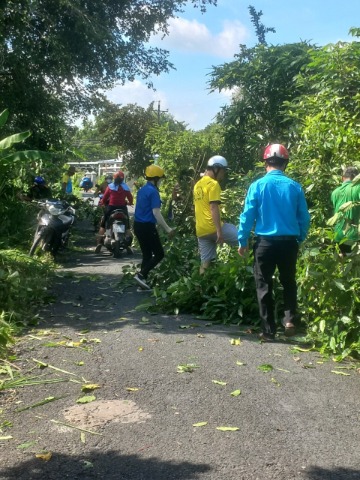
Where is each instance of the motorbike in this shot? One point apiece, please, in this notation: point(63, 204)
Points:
point(116, 240)
point(86, 184)
point(55, 219)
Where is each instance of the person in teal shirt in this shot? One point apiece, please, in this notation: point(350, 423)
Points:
point(276, 205)
point(347, 227)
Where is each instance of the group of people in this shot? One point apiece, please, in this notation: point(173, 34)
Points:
point(147, 214)
point(275, 207)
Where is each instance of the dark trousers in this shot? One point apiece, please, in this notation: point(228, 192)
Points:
point(269, 254)
point(150, 244)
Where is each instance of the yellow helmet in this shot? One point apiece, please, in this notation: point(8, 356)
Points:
point(153, 171)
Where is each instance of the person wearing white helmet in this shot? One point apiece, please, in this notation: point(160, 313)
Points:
point(210, 230)
point(276, 205)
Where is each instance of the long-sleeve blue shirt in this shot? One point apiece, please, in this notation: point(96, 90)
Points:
point(277, 206)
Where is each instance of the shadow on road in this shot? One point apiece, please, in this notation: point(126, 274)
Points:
point(109, 465)
point(339, 473)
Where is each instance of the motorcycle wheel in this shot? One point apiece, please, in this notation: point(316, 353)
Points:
point(116, 249)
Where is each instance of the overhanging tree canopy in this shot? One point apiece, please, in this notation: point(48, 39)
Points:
point(54, 56)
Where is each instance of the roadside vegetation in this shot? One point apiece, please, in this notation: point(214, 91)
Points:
point(302, 95)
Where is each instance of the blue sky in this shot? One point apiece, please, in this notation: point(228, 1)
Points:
point(197, 42)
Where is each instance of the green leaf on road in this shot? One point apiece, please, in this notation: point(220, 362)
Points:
point(228, 429)
point(186, 367)
point(200, 424)
point(25, 445)
point(89, 387)
point(86, 399)
point(240, 363)
point(235, 341)
point(217, 382)
point(340, 373)
point(266, 367)
point(235, 393)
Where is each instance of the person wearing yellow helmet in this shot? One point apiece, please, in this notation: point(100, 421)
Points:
point(147, 215)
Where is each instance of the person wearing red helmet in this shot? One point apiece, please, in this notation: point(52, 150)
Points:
point(117, 196)
point(277, 206)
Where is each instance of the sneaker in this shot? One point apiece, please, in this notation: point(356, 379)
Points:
point(98, 248)
point(141, 281)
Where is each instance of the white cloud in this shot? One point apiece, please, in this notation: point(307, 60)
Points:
point(195, 37)
point(134, 92)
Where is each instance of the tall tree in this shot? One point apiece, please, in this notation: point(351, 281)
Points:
point(126, 127)
point(55, 55)
point(262, 79)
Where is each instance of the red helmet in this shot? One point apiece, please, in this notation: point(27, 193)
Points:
point(119, 174)
point(275, 151)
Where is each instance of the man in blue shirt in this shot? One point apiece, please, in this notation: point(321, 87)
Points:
point(277, 206)
point(147, 215)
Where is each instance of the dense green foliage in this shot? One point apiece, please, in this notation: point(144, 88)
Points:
point(262, 79)
point(126, 127)
point(308, 99)
point(54, 59)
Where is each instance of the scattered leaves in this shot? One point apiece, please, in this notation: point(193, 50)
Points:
point(235, 393)
point(228, 429)
point(26, 445)
point(235, 341)
point(186, 367)
point(200, 424)
point(340, 373)
point(86, 399)
point(46, 456)
point(266, 367)
point(218, 382)
point(89, 387)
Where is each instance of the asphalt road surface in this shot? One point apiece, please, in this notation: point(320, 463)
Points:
point(156, 376)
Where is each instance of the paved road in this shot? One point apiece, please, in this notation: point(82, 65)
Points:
point(297, 421)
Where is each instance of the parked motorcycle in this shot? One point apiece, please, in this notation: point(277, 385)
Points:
point(53, 230)
point(116, 240)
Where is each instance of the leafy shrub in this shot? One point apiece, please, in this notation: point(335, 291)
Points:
point(23, 283)
point(328, 293)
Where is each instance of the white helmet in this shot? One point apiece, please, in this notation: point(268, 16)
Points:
point(217, 161)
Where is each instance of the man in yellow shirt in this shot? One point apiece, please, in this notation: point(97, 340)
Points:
point(209, 228)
